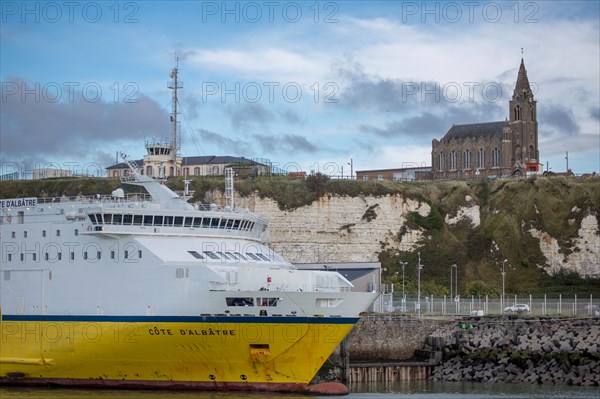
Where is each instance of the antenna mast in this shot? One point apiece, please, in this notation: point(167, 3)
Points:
point(174, 85)
point(229, 199)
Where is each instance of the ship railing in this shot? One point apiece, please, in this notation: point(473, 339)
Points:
point(91, 199)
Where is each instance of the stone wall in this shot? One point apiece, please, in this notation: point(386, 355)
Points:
point(389, 340)
point(545, 351)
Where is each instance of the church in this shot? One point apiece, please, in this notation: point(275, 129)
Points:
point(492, 149)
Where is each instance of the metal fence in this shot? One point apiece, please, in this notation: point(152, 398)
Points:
point(545, 305)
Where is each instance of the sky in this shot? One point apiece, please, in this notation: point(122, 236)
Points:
point(321, 86)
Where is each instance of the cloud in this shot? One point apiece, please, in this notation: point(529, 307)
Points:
point(286, 144)
point(250, 115)
point(43, 125)
point(558, 118)
point(226, 143)
point(595, 113)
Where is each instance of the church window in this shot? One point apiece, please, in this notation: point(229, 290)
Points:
point(481, 158)
point(531, 152)
point(467, 160)
point(496, 158)
point(453, 162)
point(441, 161)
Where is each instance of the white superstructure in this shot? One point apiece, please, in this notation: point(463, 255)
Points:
point(153, 254)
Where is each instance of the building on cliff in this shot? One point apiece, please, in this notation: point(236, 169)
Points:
point(487, 149)
point(156, 163)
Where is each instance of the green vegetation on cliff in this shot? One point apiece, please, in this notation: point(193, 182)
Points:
point(509, 209)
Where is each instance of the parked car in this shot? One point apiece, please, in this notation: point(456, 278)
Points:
point(518, 308)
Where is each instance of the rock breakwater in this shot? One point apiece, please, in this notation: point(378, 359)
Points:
point(538, 351)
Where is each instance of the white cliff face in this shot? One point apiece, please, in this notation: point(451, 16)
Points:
point(470, 213)
point(585, 256)
point(357, 229)
point(340, 229)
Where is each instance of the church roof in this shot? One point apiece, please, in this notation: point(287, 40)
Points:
point(522, 80)
point(487, 129)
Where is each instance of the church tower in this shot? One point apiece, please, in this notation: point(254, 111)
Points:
point(523, 126)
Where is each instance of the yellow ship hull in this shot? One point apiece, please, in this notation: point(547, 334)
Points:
point(236, 352)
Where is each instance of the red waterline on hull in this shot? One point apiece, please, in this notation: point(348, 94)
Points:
point(330, 388)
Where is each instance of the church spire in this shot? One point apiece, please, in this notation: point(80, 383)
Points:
point(522, 86)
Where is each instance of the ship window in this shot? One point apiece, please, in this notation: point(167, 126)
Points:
point(85, 255)
point(168, 221)
point(197, 222)
point(25, 234)
point(112, 254)
point(214, 223)
point(72, 255)
point(43, 233)
point(179, 272)
point(34, 256)
point(139, 254)
point(244, 224)
point(206, 222)
point(93, 218)
point(236, 224)
point(126, 254)
point(76, 232)
point(178, 221)
point(211, 255)
point(251, 226)
point(10, 257)
point(117, 219)
point(188, 222)
point(58, 233)
point(252, 256)
point(266, 301)
point(14, 234)
point(222, 223)
point(98, 255)
point(224, 255)
point(60, 256)
point(46, 256)
point(107, 218)
point(240, 255)
point(22, 257)
point(127, 219)
point(147, 220)
point(158, 220)
point(137, 220)
point(196, 255)
point(237, 301)
point(263, 257)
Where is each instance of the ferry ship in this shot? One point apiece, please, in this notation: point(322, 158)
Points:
point(142, 289)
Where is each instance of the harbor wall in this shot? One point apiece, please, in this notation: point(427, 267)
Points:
point(487, 349)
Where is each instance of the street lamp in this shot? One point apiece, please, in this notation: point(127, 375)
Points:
point(403, 296)
point(351, 168)
point(455, 297)
point(419, 267)
point(502, 298)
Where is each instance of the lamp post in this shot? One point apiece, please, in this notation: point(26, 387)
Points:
point(502, 298)
point(403, 296)
point(419, 267)
point(454, 266)
point(351, 163)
